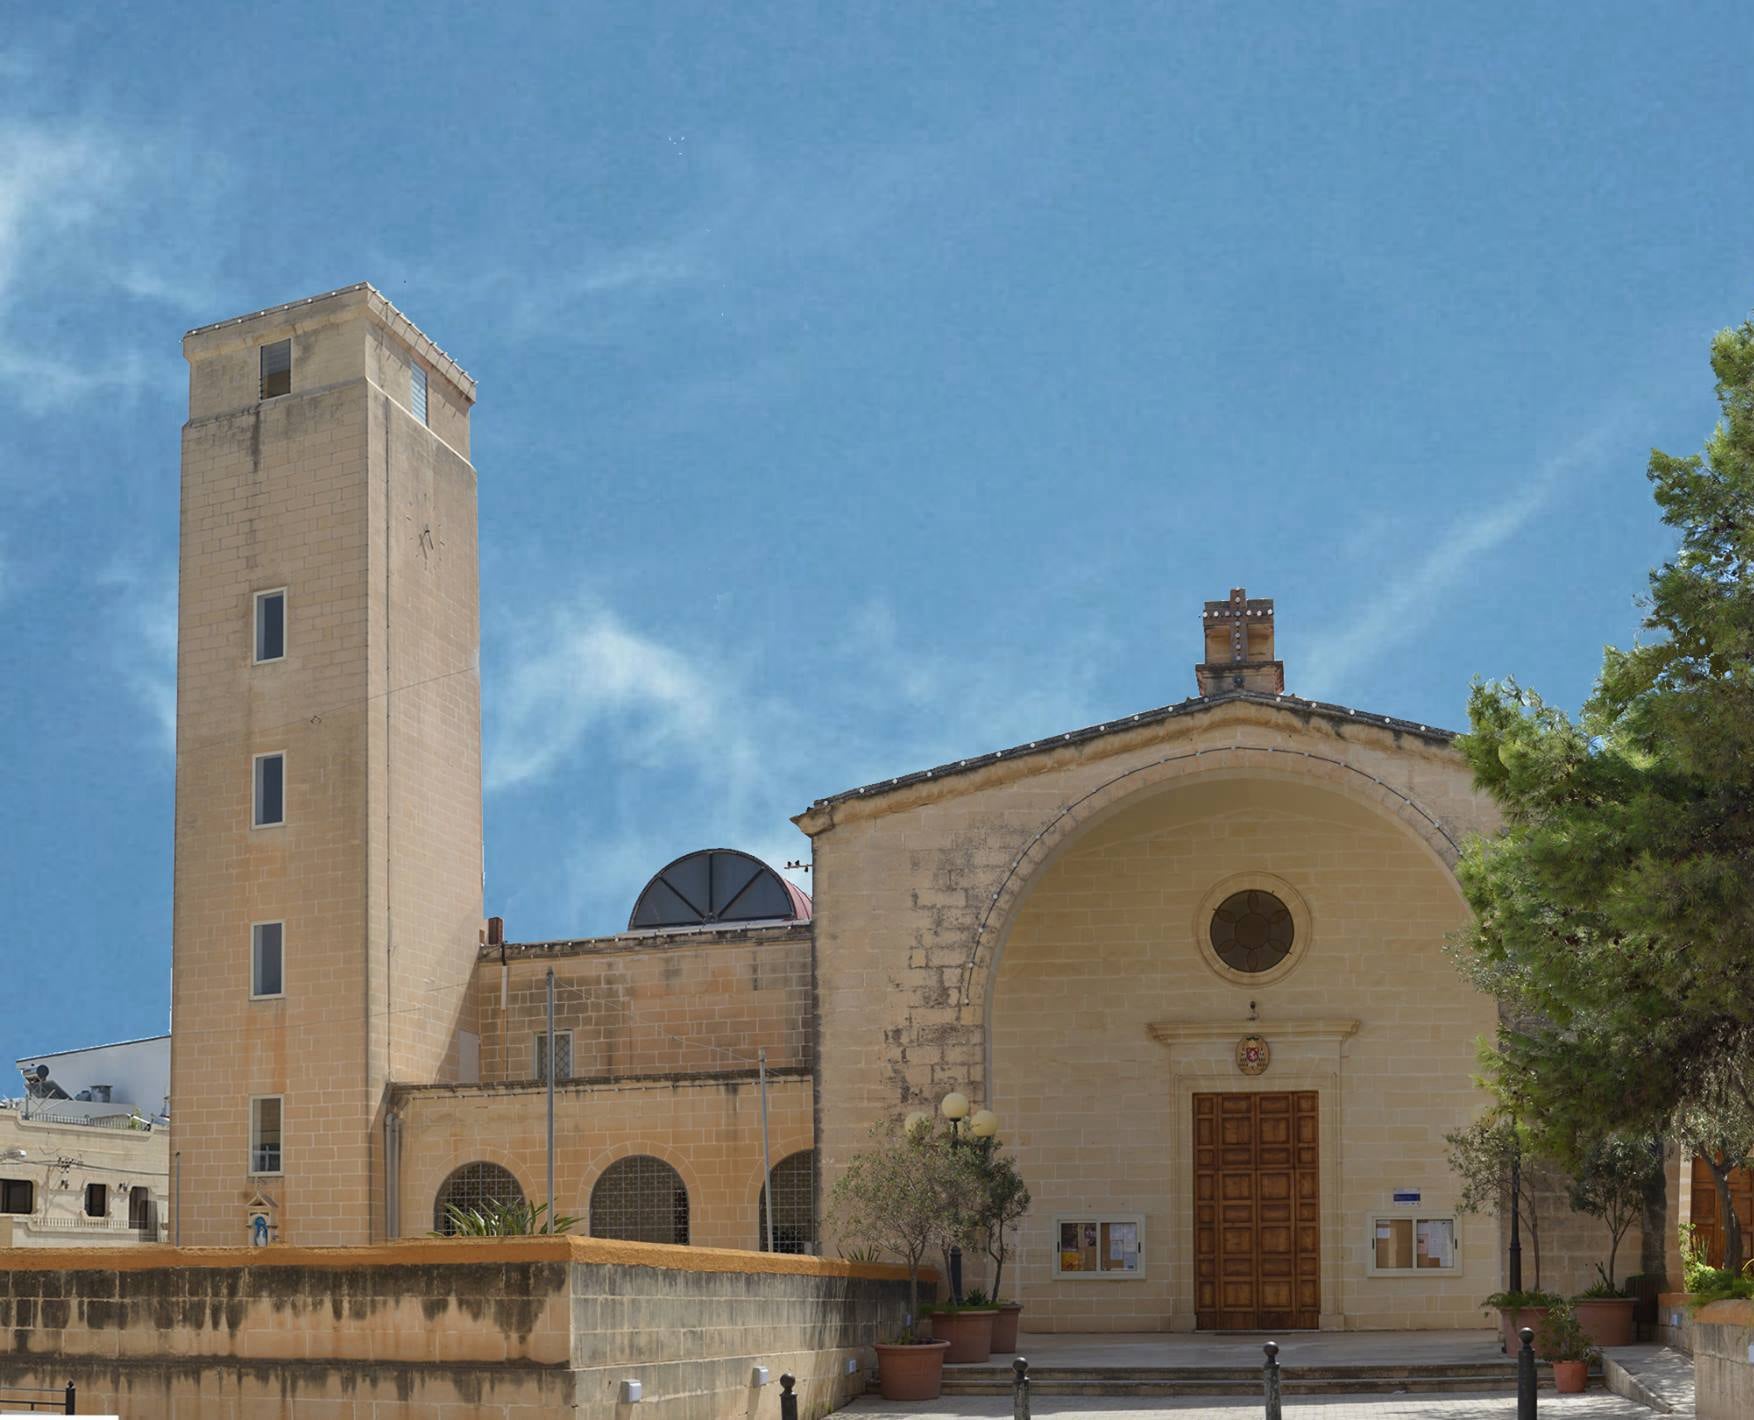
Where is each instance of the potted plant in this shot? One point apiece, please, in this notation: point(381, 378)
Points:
point(968, 1327)
point(1615, 1175)
point(893, 1196)
point(1005, 1202)
point(1501, 1178)
point(966, 1322)
point(1604, 1312)
point(1519, 1309)
point(1560, 1339)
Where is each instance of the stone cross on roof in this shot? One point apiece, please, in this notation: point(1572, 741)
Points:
point(1239, 646)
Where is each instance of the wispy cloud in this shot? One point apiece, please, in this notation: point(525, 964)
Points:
point(144, 653)
point(1401, 610)
point(73, 201)
point(686, 745)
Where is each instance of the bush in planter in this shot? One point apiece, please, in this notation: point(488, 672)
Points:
point(1482, 1155)
point(899, 1196)
point(1615, 1174)
point(1518, 1309)
point(1604, 1312)
point(1005, 1201)
point(1559, 1337)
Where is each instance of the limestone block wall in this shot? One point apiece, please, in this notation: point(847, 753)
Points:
point(650, 1003)
point(1723, 1360)
point(916, 886)
point(1571, 1243)
point(365, 516)
point(1108, 1015)
point(424, 819)
point(708, 1129)
point(513, 1329)
point(273, 496)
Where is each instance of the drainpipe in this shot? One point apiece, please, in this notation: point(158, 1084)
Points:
point(773, 1244)
point(177, 1200)
point(549, 1062)
point(392, 1176)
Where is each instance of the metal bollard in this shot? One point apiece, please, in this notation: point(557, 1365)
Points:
point(1020, 1389)
point(72, 1396)
point(788, 1401)
point(1525, 1377)
point(1270, 1381)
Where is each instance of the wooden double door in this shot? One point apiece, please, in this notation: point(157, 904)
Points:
point(1708, 1220)
point(1257, 1212)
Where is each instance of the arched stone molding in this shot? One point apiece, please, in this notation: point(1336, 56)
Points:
point(797, 1142)
point(1307, 767)
point(750, 1197)
point(626, 1148)
point(421, 1188)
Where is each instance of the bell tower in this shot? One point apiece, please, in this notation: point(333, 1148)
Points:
point(1239, 647)
point(328, 803)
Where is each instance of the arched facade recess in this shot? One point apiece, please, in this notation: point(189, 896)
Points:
point(1303, 766)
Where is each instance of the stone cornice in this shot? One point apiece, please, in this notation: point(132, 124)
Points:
point(1116, 737)
point(1191, 1032)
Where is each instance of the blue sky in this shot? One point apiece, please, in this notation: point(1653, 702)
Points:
point(861, 386)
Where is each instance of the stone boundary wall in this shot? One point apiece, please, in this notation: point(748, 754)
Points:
point(1675, 1321)
point(511, 1329)
point(1723, 1361)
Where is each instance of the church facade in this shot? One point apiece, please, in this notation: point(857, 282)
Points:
point(1192, 958)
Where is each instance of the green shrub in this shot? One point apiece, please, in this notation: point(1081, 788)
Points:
point(1559, 1336)
point(1517, 1301)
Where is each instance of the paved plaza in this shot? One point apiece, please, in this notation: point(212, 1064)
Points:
point(1593, 1405)
point(1665, 1375)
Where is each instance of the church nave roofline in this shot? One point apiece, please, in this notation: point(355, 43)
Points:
point(1194, 705)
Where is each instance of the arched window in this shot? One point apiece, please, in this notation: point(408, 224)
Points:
point(641, 1199)
point(473, 1186)
point(794, 1204)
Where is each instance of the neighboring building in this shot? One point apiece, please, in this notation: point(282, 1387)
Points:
point(1192, 957)
point(85, 1152)
point(135, 1073)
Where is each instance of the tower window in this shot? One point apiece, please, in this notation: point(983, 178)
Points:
point(417, 392)
point(270, 625)
point(562, 1055)
point(270, 790)
point(265, 959)
point(97, 1200)
point(265, 1135)
point(276, 369)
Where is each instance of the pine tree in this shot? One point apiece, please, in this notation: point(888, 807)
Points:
point(1614, 916)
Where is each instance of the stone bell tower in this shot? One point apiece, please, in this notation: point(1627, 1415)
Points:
point(328, 809)
point(1239, 646)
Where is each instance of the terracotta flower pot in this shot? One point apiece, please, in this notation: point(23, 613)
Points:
point(969, 1331)
point(1570, 1377)
point(1005, 1328)
point(913, 1372)
point(1607, 1321)
point(1514, 1321)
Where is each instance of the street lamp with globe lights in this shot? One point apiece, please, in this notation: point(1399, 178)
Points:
point(982, 1126)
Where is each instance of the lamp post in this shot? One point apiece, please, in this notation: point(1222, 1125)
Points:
point(982, 1125)
point(1516, 1201)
